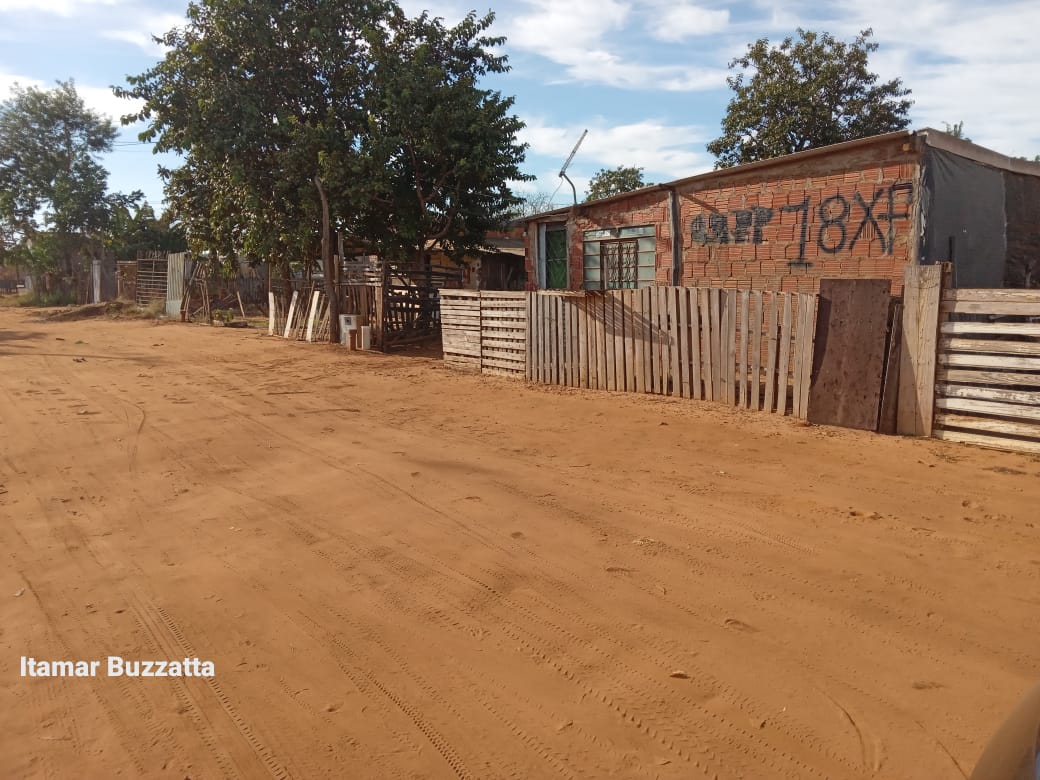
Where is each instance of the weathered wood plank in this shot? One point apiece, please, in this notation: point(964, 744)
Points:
point(726, 351)
point(717, 341)
point(548, 306)
point(730, 371)
point(988, 424)
point(809, 348)
point(980, 377)
point(968, 359)
point(996, 408)
point(992, 346)
point(590, 313)
point(755, 328)
point(743, 347)
point(945, 390)
point(1002, 295)
point(783, 372)
point(797, 329)
point(601, 340)
point(987, 307)
point(646, 336)
point(921, 290)
point(501, 354)
point(990, 328)
point(693, 334)
point(654, 302)
point(638, 330)
point(292, 311)
point(665, 313)
point(615, 339)
point(608, 341)
point(707, 339)
point(890, 386)
point(773, 351)
point(573, 315)
point(581, 333)
point(689, 340)
point(992, 442)
point(673, 377)
point(312, 314)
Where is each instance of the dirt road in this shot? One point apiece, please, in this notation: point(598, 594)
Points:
point(402, 572)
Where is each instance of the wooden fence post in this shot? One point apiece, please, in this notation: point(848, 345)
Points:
point(922, 291)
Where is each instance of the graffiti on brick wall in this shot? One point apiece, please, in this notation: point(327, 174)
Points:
point(842, 223)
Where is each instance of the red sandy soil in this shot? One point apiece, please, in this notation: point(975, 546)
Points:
point(404, 572)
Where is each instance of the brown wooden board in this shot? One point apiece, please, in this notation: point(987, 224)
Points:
point(921, 289)
point(890, 383)
point(849, 359)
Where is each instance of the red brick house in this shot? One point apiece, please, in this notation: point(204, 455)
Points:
point(860, 209)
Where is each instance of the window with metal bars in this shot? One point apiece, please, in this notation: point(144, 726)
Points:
point(620, 258)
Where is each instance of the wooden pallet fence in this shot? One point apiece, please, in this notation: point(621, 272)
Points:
point(503, 333)
point(987, 378)
point(748, 349)
point(485, 331)
point(460, 328)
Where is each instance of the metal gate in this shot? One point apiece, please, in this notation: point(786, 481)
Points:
point(151, 281)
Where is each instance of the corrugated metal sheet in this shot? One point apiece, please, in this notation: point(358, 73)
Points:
point(177, 267)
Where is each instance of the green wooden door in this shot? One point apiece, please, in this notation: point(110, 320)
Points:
point(556, 259)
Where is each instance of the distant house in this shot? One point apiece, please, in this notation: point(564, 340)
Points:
point(860, 209)
point(501, 269)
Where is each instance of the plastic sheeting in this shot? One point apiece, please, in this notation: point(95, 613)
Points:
point(965, 218)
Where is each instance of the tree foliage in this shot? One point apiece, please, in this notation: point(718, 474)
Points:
point(615, 181)
point(53, 200)
point(809, 91)
point(133, 227)
point(956, 130)
point(533, 203)
point(275, 105)
point(440, 151)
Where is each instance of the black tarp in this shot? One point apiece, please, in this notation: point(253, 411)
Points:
point(965, 218)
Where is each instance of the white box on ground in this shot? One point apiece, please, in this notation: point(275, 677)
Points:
point(347, 323)
point(366, 337)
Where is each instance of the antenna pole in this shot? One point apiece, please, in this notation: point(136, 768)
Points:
point(563, 170)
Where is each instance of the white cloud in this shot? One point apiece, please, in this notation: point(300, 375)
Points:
point(99, 99)
point(963, 62)
point(665, 152)
point(141, 33)
point(54, 7)
point(678, 21)
point(575, 35)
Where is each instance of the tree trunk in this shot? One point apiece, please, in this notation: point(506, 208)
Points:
point(328, 267)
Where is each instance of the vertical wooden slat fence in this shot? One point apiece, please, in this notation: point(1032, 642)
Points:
point(748, 349)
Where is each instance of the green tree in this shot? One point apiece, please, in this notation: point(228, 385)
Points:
point(133, 227)
point(614, 182)
point(259, 96)
point(956, 130)
point(53, 202)
point(296, 119)
point(533, 203)
point(807, 92)
point(442, 180)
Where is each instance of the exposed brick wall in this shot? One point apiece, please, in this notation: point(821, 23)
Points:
point(847, 214)
point(777, 227)
point(649, 208)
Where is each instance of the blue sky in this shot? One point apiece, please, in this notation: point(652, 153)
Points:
point(646, 78)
